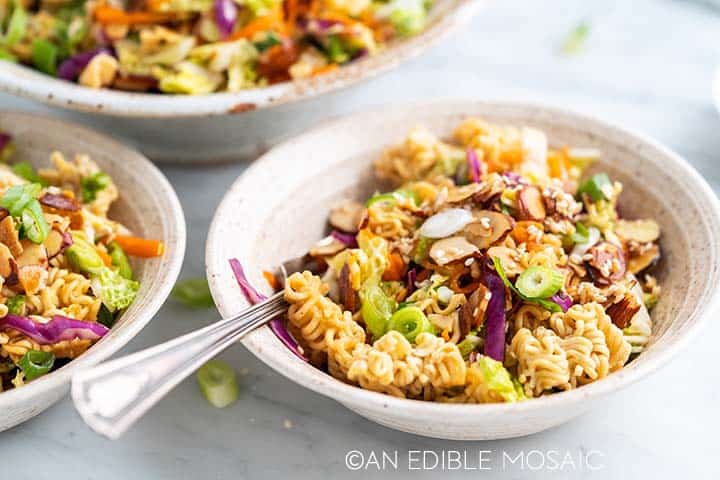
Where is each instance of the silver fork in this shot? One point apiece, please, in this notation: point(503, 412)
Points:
point(111, 396)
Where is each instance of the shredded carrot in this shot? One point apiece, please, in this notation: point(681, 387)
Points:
point(324, 69)
point(558, 163)
point(521, 235)
point(104, 255)
point(396, 268)
point(271, 280)
point(140, 247)
point(111, 15)
point(272, 21)
point(445, 335)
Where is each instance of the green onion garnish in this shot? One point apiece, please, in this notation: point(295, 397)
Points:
point(546, 304)
point(16, 305)
point(120, 260)
point(194, 292)
point(17, 25)
point(35, 363)
point(581, 234)
point(92, 184)
point(539, 282)
point(26, 171)
point(376, 309)
point(411, 322)
point(469, 344)
point(34, 225)
point(44, 56)
point(597, 187)
point(576, 39)
point(218, 383)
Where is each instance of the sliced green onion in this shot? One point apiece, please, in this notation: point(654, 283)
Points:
point(376, 309)
point(410, 322)
point(120, 260)
point(16, 305)
point(270, 40)
point(34, 225)
point(422, 249)
point(597, 187)
point(35, 363)
point(539, 282)
point(468, 345)
point(194, 292)
point(218, 383)
point(581, 234)
point(44, 56)
point(91, 185)
point(576, 38)
point(25, 170)
point(392, 198)
point(546, 304)
point(7, 56)
point(16, 198)
point(336, 50)
point(105, 316)
point(17, 25)
point(83, 257)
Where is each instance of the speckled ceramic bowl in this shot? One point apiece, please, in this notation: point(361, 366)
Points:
point(278, 208)
point(147, 205)
point(222, 126)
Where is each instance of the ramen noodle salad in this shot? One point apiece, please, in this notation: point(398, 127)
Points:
point(64, 269)
point(199, 46)
point(495, 271)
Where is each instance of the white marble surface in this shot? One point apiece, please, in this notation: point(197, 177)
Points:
point(647, 65)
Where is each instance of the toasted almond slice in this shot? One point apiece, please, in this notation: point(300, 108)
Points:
point(638, 263)
point(489, 227)
point(450, 249)
point(347, 216)
point(9, 236)
point(531, 204)
point(642, 231)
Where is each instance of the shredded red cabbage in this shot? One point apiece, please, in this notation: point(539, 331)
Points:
point(59, 328)
point(226, 13)
point(253, 296)
point(512, 178)
point(495, 319)
point(411, 276)
point(347, 238)
point(563, 300)
point(473, 164)
point(71, 68)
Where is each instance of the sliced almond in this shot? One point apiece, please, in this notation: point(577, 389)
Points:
point(7, 263)
point(642, 231)
point(56, 242)
point(531, 204)
point(489, 227)
point(327, 246)
point(9, 236)
point(347, 216)
point(33, 254)
point(638, 263)
point(607, 263)
point(32, 278)
point(507, 260)
point(459, 194)
point(451, 249)
point(622, 312)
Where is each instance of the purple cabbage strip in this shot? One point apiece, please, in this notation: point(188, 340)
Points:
point(347, 238)
point(253, 296)
point(495, 319)
point(513, 178)
point(563, 300)
point(72, 67)
point(59, 328)
point(411, 275)
point(226, 13)
point(474, 164)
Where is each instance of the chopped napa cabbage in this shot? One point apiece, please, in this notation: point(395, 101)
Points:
point(407, 16)
point(640, 328)
point(367, 263)
point(495, 377)
point(189, 78)
point(171, 53)
point(351, 7)
point(187, 5)
point(115, 292)
point(260, 7)
point(237, 58)
point(602, 215)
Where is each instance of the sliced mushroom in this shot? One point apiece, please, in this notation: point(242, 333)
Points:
point(7, 262)
point(347, 216)
point(327, 246)
point(507, 260)
point(607, 263)
point(450, 249)
point(32, 278)
point(531, 203)
point(33, 254)
point(459, 194)
point(9, 236)
point(638, 263)
point(622, 312)
point(642, 231)
point(489, 227)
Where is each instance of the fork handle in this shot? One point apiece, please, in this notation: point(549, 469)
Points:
point(111, 396)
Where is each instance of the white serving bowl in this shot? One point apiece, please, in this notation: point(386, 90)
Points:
point(147, 205)
point(222, 126)
point(278, 208)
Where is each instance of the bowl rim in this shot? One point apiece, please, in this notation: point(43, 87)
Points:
point(155, 297)
point(343, 392)
point(23, 81)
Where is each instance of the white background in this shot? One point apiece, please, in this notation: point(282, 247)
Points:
point(647, 65)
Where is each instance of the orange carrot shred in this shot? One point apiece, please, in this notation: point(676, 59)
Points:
point(140, 247)
point(271, 280)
